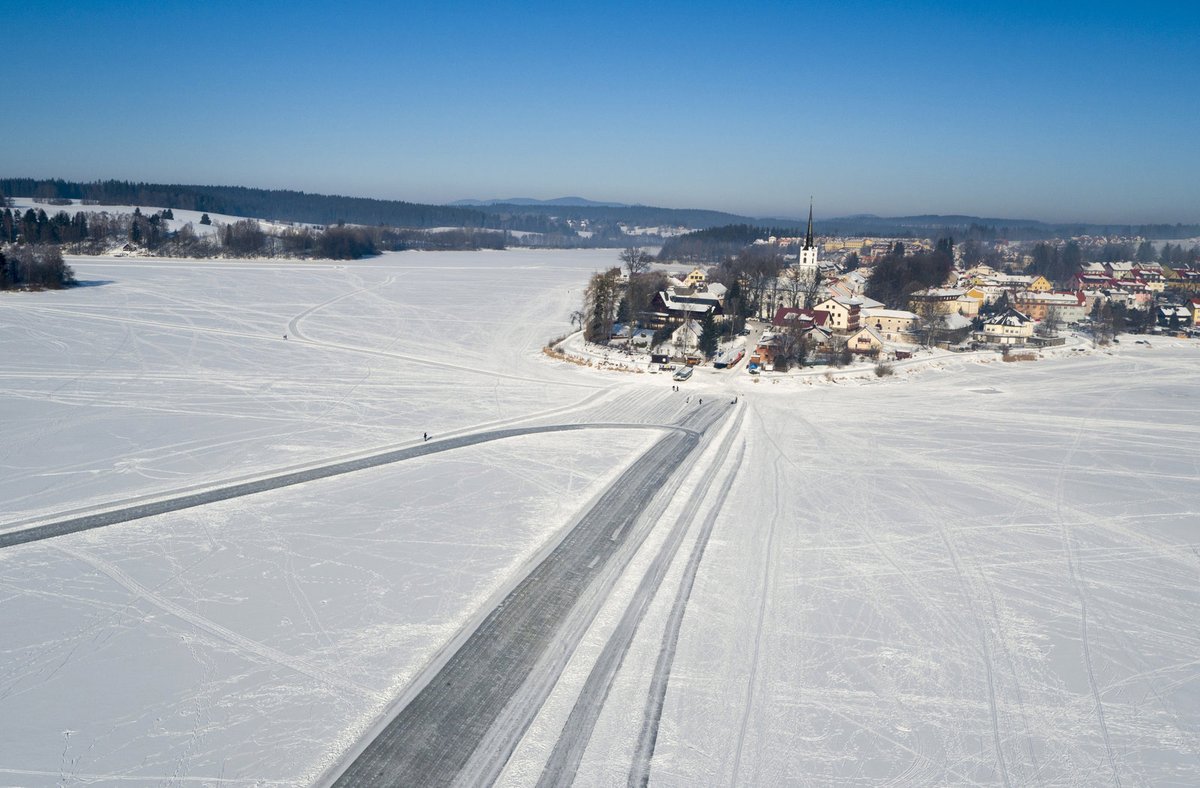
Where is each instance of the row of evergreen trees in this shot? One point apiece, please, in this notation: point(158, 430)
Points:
point(94, 232)
point(35, 227)
point(279, 204)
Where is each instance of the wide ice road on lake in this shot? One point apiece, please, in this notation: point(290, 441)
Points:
point(227, 557)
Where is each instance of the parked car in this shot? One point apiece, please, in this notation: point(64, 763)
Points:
point(683, 373)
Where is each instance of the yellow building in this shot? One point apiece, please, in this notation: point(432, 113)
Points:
point(1040, 285)
point(947, 301)
point(891, 324)
point(865, 341)
point(695, 277)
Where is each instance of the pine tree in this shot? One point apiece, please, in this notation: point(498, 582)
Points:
point(205, 220)
point(709, 338)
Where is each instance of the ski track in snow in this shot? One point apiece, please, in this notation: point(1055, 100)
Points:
point(568, 752)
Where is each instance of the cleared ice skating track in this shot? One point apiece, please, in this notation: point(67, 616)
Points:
point(176, 503)
point(486, 694)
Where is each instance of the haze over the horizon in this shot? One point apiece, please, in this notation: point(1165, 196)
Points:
point(1069, 111)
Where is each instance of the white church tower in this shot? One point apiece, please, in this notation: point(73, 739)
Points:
point(808, 254)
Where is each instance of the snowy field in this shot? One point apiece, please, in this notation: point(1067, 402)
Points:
point(986, 574)
point(975, 573)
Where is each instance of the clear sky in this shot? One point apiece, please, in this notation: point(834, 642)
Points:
point(1049, 110)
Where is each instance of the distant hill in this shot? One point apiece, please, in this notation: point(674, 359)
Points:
point(554, 218)
point(273, 204)
point(526, 201)
point(562, 221)
point(635, 215)
point(961, 227)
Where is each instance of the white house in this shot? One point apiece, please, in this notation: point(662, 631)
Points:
point(1009, 327)
point(686, 338)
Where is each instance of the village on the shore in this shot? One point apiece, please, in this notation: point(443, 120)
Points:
point(815, 309)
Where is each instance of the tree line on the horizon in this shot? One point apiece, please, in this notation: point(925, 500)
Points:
point(276, 204)
point(558, 225)
point(93, 233)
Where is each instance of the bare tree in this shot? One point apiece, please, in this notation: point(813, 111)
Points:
point(635, 261)
point(794, 282)
point(839, 352)
point(640, 292)
point(812, 289)
point(1051, 323)
point(931, 320)
point(797, 346)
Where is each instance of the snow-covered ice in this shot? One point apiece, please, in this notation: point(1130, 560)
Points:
point(976, 572)
point(984, 574)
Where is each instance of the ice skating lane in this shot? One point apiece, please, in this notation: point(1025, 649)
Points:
point(434, 736)
point(176, 503)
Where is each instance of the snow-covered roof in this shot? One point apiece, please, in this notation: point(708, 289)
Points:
point(691, 326)
point(697, 303)
point(1060, 299)
point(1009, 317)
point(868, 330)
point(787, 315)
point(863, 302)
point(955, 321)
point(899, 314)
point(940, 292)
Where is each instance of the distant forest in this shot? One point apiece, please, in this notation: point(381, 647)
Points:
point(559, 223)
point(95, 233)
point(985, 229)
point(282, 205)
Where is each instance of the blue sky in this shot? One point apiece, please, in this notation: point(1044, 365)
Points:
point(1057, 111)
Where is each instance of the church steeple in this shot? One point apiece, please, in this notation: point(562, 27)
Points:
point(808, 238)
point(808, 255)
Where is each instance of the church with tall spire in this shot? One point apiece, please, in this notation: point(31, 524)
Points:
point(808, 253)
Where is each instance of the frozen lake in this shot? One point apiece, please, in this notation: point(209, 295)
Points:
point(974, 573)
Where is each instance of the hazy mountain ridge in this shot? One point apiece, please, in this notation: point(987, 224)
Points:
point(577, 202)
point(560, 217)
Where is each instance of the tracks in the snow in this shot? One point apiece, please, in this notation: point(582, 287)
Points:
point(568, 752)
point(189, 500)
point(470, 714)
